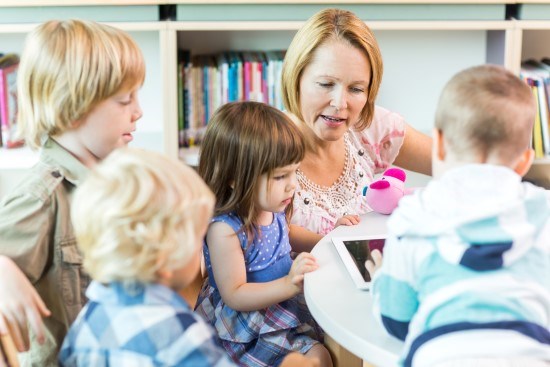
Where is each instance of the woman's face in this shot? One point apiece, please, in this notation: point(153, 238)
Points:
point(333, 89)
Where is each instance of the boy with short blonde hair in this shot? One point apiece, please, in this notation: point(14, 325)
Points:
point(465, 279)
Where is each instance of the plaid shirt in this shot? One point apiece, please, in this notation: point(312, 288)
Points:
point(139, 325)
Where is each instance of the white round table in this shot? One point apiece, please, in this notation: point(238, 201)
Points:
point(343, 311)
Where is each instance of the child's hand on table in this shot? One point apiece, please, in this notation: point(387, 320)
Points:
point(304, 263)
point(374, 264)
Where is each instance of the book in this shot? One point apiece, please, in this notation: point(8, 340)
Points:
point(8, 100)
point(537, 128)
point(540, 76)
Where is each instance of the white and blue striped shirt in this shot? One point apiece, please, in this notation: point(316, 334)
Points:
point(466, 270)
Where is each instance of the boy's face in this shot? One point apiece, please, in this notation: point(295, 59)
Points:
point(183, 276)
point(109, 125)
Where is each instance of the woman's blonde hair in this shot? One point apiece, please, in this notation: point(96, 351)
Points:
point(326, 26)
point(66, 69)
point(138, 212)
point(243, 141)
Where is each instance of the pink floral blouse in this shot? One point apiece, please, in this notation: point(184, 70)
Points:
point(368, 152)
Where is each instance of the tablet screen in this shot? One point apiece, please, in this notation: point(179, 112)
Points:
point(360, 251)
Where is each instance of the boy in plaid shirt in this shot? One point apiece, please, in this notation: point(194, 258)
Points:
point(139, 220)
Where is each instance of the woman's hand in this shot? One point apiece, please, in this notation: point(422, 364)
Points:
point(375, 264)
point(304, 263)
point(348, 220)
point(20, 305)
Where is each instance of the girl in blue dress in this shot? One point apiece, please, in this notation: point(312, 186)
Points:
point(253, 294)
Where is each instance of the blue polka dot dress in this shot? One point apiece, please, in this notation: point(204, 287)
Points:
point(263, 337)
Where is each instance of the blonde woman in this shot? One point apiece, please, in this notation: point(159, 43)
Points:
point(331, 77)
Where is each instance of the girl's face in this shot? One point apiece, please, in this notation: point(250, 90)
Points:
point(276, 192)
point(109, 125)
point(334, 89)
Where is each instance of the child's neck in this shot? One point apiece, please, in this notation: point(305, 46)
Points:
point(264, 218)
point(69, 141)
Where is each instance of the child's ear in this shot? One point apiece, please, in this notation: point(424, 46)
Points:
point(164, 274)
point(524, 162)
point(439, 144)
point(76, 123)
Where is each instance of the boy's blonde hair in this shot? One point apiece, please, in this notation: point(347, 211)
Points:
point(326, 26)
point(66, 69)
point(139, 212)
point(243, 141)
point(486, 110)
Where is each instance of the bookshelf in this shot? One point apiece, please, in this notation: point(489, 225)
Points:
point(423, 44)
point(415, 66)
point(532, 30)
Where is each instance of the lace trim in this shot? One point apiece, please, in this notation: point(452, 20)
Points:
point(312, 186)
point(341, 195)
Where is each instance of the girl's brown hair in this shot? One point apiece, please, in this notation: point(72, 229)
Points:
point(243, 141)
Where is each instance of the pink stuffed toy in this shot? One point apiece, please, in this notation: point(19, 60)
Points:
point(384, 194)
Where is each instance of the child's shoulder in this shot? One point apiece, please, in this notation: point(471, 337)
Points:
point(37, 185)
point(231, 219)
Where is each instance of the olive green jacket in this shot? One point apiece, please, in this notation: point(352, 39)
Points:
point(36, 232)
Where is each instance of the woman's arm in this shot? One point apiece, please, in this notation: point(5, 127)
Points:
point(301, 239)
point(228, 267)
point(416, 152)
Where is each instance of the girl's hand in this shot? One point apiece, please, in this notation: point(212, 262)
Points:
point(375, 264)
point(348, 220)
point(20, 305)
point(304, 263)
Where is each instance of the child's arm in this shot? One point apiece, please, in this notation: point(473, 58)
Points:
point(229, 270)
point(394, 295)
point(19, 304)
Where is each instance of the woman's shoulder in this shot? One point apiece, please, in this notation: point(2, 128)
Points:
point(385, 124)
point(383, 116)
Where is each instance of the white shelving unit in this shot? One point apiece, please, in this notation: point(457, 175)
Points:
point(420, 55)
point(531, 43)
point(150, 36)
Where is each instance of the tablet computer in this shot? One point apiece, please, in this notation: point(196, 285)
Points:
point(354, 251)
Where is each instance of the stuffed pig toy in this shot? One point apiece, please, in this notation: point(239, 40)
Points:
point(384, 194)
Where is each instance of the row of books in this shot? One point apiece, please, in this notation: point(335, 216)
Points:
point(205, 82)
point(9, 64)
point(537, 75)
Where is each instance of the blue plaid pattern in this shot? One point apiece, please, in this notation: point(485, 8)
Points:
point(139, 325)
